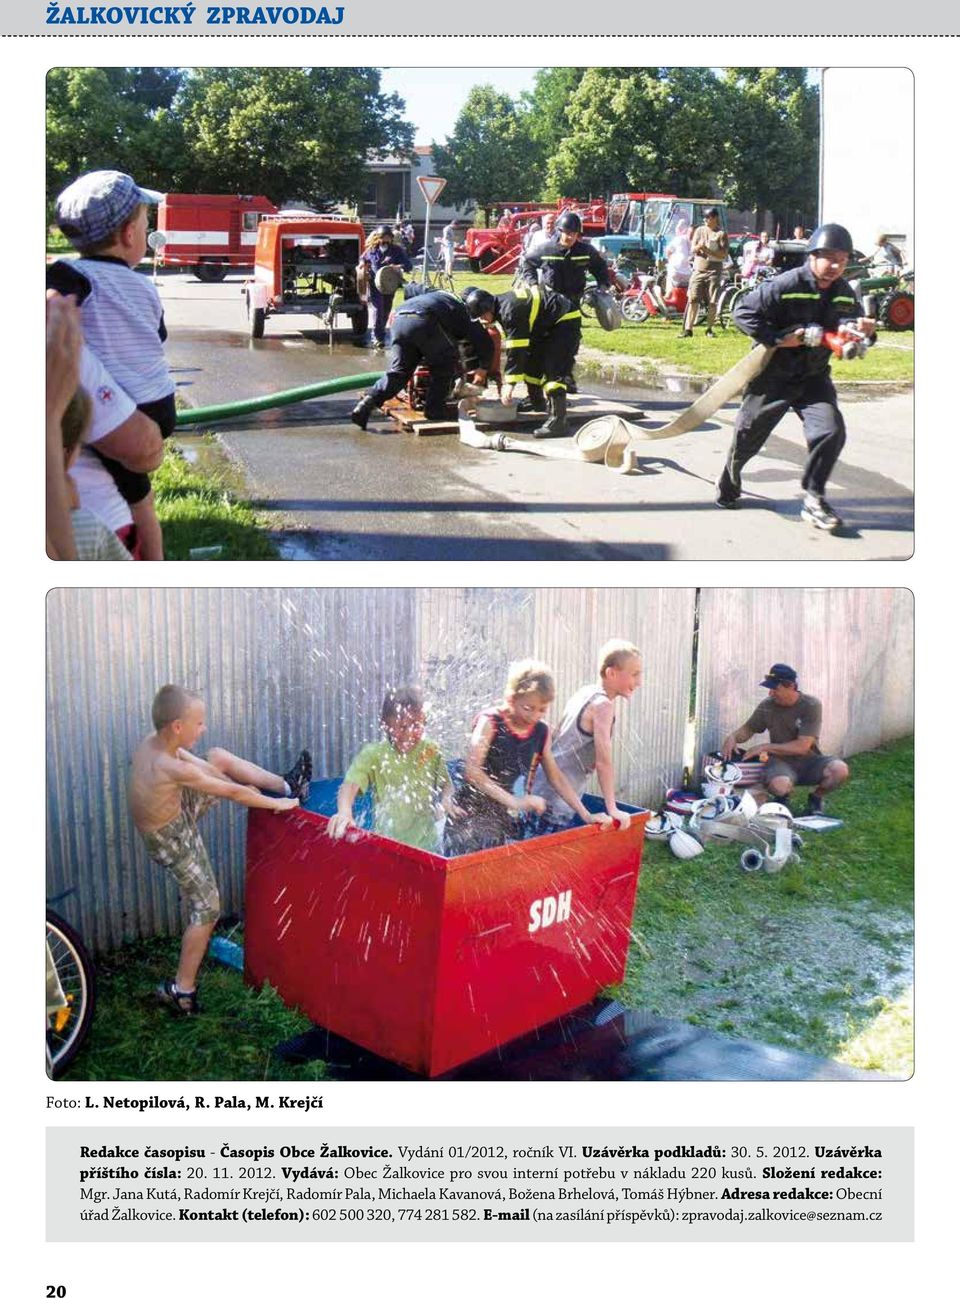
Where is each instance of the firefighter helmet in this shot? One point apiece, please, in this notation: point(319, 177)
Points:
point(831, 238)
point(684, 845)
point(569, 223)
point(478, 302)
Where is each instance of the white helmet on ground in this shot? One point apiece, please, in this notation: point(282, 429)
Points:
point(684, 845)
point(722, 772)
point(775, 809)
point(660, 827)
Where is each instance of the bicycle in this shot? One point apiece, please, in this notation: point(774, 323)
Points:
point(436, 277)
point(730, 295)
point(70, 991)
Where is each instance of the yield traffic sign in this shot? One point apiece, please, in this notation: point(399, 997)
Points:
point(431, 187)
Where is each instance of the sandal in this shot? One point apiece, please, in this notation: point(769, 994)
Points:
point(184, 1003)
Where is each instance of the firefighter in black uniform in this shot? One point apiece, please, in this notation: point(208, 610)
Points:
point(538, 348)
point(562, 265)
point(431, 329)
point(777, 314)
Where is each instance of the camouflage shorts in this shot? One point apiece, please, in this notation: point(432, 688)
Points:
point(179, 848)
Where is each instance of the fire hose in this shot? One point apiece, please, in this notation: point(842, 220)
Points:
point(601, 441)
point(612, 441)
point(289, 397)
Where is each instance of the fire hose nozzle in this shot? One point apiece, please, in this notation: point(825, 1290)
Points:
point(846, 344)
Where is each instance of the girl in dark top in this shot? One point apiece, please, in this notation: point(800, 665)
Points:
point(509, 742)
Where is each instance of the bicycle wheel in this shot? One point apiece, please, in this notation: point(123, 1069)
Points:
point(635, 309)
point(728, 301)
point(68, 1026)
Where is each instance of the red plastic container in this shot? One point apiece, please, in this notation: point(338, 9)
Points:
point(430, 961)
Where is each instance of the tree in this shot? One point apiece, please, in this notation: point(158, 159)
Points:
point(491, 155)
point(545, 106)
point(288, 132)
point(112, 119)
point(772, 157)
point(641, 128)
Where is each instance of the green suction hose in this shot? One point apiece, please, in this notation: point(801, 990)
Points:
point(231, 409)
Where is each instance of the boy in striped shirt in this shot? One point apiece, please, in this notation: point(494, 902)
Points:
point(104, 215)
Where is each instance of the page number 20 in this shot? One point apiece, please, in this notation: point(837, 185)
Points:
point(56, 1291)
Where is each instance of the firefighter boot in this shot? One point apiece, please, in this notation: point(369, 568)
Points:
point(534, 400)
point(362, 411)
point(556, 425)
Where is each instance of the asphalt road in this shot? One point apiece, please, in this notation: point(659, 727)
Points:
point(338, 493)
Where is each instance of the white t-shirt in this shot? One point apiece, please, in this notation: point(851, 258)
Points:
point(111, 407)
point(121, 321)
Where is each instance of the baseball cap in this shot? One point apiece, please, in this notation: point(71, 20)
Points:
point(97, 203)
point(779, 674)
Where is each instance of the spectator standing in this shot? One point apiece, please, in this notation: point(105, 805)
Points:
point(448, 245)
point(710, 247)
point(677, 253)
point(887, 256)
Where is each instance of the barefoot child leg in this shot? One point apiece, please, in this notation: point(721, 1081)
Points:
point(170, 789)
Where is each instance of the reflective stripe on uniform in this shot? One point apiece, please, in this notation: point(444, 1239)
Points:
point(534, 304)
point(555, 386)
point(806, 297)
point(851, 300)
point(571, 315)
point(515, 342)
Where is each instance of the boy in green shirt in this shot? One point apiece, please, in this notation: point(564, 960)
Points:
point(407, 774)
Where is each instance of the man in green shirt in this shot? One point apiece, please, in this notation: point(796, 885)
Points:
point(406, 773)
point(792, 755)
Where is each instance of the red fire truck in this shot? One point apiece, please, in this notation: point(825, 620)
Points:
point(211, 233)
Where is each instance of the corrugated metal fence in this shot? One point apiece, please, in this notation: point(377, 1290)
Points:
point(279, 670)
point(284, 669)
point(851, 648)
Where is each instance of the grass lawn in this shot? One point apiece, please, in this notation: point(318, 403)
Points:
point(134, 1038)
point(197, 509)
point(817, 958)
point(658, 343)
